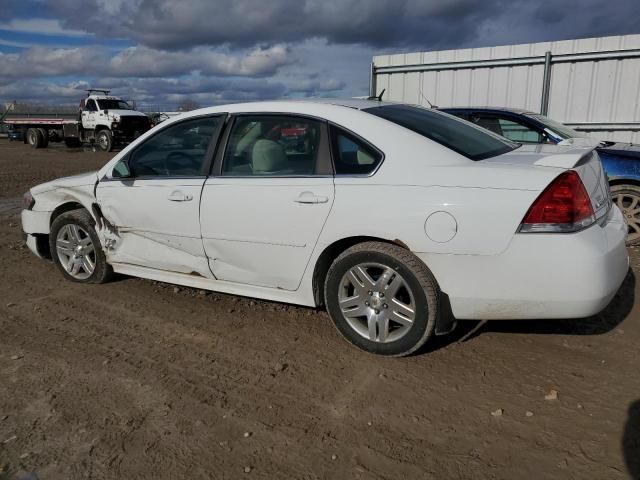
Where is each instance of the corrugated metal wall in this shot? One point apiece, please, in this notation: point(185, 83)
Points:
point(594, 83)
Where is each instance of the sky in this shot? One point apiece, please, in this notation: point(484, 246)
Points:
point(164, 52)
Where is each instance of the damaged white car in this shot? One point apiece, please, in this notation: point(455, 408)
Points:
point(396, 218)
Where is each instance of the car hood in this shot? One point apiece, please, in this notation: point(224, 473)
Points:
point(621, 149)
point(81, 180)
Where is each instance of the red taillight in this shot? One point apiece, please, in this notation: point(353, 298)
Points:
point(564, 206)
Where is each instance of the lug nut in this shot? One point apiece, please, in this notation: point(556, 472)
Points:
point(370, 293)
point(377, 311)
point(381, 295)
point(366, 303)
point(385, 306)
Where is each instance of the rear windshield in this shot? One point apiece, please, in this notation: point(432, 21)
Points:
point(458, 135)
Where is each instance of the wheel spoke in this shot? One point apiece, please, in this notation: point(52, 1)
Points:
point(360, 280)
point(367, 281)
point(403, 310)
point(87, 264)
point(383, 327)
point(634, 203)
point(70, 262)
point(76, 267)
point(350, 302)
point(372, 327)
point(86, 241)
point(64, 246)
point(618, 201)
point(394, 286)
point(74, 234)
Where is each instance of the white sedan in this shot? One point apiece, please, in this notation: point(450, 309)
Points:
point(396, 218)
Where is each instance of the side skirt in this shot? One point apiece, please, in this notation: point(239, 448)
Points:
point(195, 281)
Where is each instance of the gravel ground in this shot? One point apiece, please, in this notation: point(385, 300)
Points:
point(138, 379)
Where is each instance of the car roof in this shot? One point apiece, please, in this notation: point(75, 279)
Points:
point(490, 109)
point(357, 103)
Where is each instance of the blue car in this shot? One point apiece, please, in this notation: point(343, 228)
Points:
point(621, 161)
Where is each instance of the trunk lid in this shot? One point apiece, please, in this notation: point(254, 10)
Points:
point(583, 159)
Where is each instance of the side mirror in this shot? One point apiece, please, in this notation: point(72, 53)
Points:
point(121, 169)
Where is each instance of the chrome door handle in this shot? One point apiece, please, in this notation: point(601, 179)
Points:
point(178, 196)
point(310, 197)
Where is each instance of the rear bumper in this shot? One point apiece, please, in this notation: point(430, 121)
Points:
point(539, 276)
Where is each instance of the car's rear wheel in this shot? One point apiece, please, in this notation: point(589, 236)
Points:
point(76, 249)
point(382, 298)
point(627, 198)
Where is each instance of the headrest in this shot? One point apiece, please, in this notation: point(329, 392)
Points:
point(268, 156)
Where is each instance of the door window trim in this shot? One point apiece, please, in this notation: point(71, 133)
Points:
point(324, 162)
point(214, 141)
point(334, 129)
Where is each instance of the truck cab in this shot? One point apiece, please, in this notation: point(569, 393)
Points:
point(108, 120)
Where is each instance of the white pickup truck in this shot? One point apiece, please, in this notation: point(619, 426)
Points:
point(103, 119)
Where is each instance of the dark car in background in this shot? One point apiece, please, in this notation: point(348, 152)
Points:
point(621, 161)
point(14, 135)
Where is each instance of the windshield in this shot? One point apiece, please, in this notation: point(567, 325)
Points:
point(557, 127)
point(454, 133)
point(113, 105)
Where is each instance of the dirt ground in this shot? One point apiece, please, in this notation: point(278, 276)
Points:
point(137, 379)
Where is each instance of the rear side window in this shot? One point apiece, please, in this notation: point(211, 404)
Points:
point(352, 155)
point(462, 137)
point(508, 128)
point(272, 145)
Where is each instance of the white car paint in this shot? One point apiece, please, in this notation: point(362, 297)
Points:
point(249, 236)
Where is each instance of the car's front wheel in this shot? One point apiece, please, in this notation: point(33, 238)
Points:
point(627, 198)
point(76, 249)
point(382, 298)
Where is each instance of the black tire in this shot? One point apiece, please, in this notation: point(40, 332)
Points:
point(627, 198)
point(104, 139)
point(45, 138)
point(419, 280)
point(72, 142)
point(35, 138)
point(102, 271)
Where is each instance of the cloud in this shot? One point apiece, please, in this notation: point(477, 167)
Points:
point(41, 26)
point(164, 93)
point(143, 62)
point(384, 24)
point(168, 24)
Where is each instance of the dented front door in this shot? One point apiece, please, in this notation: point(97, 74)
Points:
point(156, 223)
point(154, 211)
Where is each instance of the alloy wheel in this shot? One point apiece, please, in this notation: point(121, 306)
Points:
point(629, 204)
point(377, 302)
point(76, 251)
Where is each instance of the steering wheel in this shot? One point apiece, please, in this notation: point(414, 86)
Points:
point(176, 157)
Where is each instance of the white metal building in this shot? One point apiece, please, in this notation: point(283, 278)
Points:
point(591, 84)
